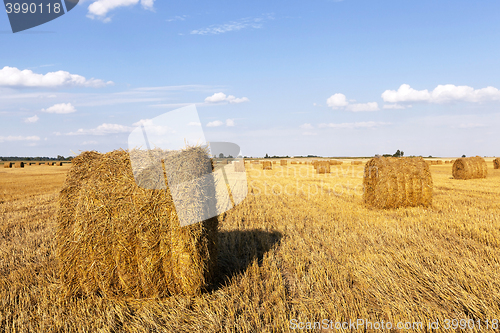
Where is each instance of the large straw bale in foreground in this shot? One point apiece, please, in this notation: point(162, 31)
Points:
point(117, 239)
point(267, 165)
point(323, 167)
point(391, 182)
point(496, 163)
point(469, 168)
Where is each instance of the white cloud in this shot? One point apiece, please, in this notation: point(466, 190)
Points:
point(471, 125)
point(11, 138)
point(441, 94)
point(229, 122)
point(254, 23)
point(103, 130)
point(13, 77)
point(62, 108)
point(337, 100)
point(33, 119)
point(359, 107)
point(152, 128)
point(221, 97)
point(396, 106)
point(100, 8)
point(362, 124)
point(177, 18)
point(215, 123)
point(306, 126)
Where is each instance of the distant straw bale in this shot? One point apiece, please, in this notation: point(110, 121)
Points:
point(293, 162)
point(38, 163)
point(470, 168)
point(356, 162)
point(117, 239)
point(7, 165)
point(446, 162)
point(335, 162)
point(267, 165)
point(49, 163)
point(59, 163)
point(391, 182)
point(323, 167)
point(496, 163)
point(283, 162)
point(239, 166)
point(19, 165)
point(439, 161)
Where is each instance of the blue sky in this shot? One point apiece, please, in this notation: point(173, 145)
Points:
point(330, 78)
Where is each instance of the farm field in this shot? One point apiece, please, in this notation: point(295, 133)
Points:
point(302, 246)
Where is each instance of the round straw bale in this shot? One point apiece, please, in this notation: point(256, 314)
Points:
point(117, 239)
point(239, 166)
point(283, 162)
point(356, 162)
point(496, 163)
point(59, 163)
point(391, 182)
point(267, 165)
point(469, 168)
point(8, 164)
point(323, 167)
point(439, 162)
point(19, 165)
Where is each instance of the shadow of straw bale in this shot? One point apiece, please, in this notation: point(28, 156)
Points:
point(238, 249)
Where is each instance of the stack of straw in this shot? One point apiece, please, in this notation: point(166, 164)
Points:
point(118, 239)
point(391, 182)
point(469, 168)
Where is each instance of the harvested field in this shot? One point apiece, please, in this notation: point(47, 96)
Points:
point(300, 246)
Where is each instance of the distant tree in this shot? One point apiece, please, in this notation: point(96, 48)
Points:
point(229, 156)
point(267, 156)
point(463, 155)
point(430, 155)
point(221, 155)
point(398, 153)
point(402, 153)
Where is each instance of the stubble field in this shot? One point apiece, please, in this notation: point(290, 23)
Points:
point(302, 247)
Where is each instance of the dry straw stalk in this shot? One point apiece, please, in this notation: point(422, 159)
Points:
point(469, 168)
point(117, 239)
point(392, 182)
point(496, 163)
